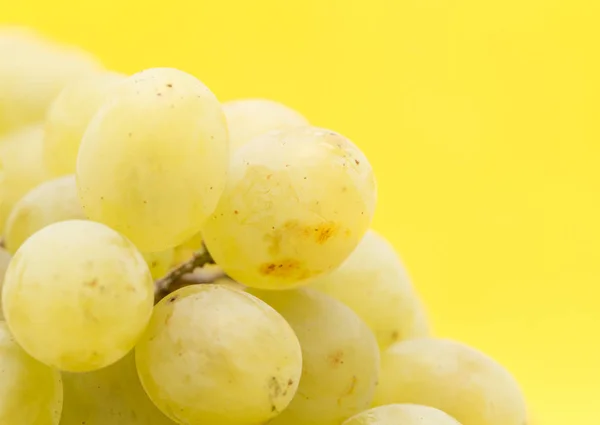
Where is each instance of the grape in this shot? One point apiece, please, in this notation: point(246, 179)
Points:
point(4, 262)
point(295, 206)
point(452, 377)
point(69, 116)
point(30, 392)
point(402, 414)
point(340, 358)
point(249, 118)
point(153, 161)
point(77, 295)
point(110, 396)
point(21, 167)
point(159, 262)
point(219, 356)
point(373, 282)
point(33, 70)
point(52, 201)
point(184, 251)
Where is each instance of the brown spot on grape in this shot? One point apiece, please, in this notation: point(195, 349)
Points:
point(170, 85)
point(153, 263)
point(236, 212)
point(357, 162)
point(395, 336)
point(324, 232)
point(285, 268)
point(173, 298)
point(92, 283)
point(352, 386)
point(336, 358)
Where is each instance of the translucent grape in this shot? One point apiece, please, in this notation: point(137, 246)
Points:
point(153, 161)
point(249, 118)
point(452, 377)
point(110, 396)
point(21, 167)
point(4, 262)
point(33, 70)
point(69, 116)
point(77, 295)
point(402, 414)
point(52, 201)
point(184, 251)
point(374, 283)
point(31, 393)
point(219, 356)
point(159, 262)
point(340, 358)
point(296, 204)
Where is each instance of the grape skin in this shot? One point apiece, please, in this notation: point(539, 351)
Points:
point(340, 357)
point(33, 70)
point(77, 295)
point(153, 161)
point(403, 414)
point(31, 393)
point(216, 355)
point(250, 118)
point(110, 396)
point(52, 201)
point(373, 282)
point(296, 205)
point(69, 116)
point(21, 167)
point(452, 377)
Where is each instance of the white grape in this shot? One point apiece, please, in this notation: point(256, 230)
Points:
point(340, 358)
point(31, 393)
point(77, 295)
point(452, 377)
point(402, 414)
point(373, 282)
point(296, 204)
point(153, 161)
point(219, 356)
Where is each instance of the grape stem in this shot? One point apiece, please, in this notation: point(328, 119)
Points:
point(183, 275)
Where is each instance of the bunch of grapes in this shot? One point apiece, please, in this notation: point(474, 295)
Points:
point(169, 259)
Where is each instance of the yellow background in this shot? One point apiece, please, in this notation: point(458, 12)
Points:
point(480, 118)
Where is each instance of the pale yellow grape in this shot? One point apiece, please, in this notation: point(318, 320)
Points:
point(373, 282)
point(21, 167)
point(69, 116)
point(153, 162)
point(77, 295)
point(219, 356)
point(340, 358)
point(110, 396)
point(33, 70)
point(4, 262)
point(249, 118)
point(296, 204)
point(185, 250)
point(31, 393)
point(52, 201)
point(159, 262)
point(402, 414)
point(452, 377)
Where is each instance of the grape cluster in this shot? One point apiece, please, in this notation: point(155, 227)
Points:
point(171, 259)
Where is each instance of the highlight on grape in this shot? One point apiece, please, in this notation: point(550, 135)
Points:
point(171, 259)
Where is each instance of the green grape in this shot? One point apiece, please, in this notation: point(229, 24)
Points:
point(33, 70)
point(77, 295)
point(69, 116)
point(249, 118)
point(374, 283)
point(340, 358)
point(402, 414)
point(185, 250)
point(153, 161)
point(159, 262)
point(4, 262)
point(452, 377)
point(31, 393)
point(109, 396)
point(298, 203)
point(52, 201)
point(21, 167)
point(219, 356)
